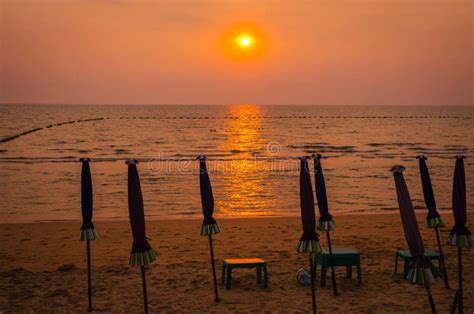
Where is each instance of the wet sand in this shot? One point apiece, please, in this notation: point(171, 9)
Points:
point(43, 268)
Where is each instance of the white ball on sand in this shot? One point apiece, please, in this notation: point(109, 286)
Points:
point(303, 276)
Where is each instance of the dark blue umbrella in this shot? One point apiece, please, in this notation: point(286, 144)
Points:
point(88, 232)
point(309, 241)
point(209, 225)
point(142, 253)
point(433, 220)
point(325, 222)
point(421, 270)
point(459, 236)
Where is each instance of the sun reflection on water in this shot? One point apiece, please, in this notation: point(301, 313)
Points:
point(245, 179)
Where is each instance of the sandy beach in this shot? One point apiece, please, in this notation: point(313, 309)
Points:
point(43, 268)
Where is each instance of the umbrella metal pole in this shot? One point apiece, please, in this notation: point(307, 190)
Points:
point(313, 289)
point(445, 272)
point(455, 303)
point(333, 273)
point(145, 299)
point(430, 298)
point(89, 285)
point(213, 268)
point(460, 294)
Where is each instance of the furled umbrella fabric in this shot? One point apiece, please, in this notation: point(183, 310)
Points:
point(142, 253)
point(460, 236)
point(309, 241)
point(209, 225)
point(433, 218)
point(421, 270)
point(88, 232)
point(325, 221)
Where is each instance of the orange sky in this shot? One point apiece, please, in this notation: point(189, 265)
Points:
point(334, 52)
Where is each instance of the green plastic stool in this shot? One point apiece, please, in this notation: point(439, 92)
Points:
point(341, 257)
point(407, 258)
point(233, 263)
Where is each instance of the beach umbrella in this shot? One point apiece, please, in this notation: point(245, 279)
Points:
point(209, 225)
point(142, 253)
point(433, 220)
point(309, 241)
point(459, 236)
point(421, 271)
point(325, 221)
point(88, 232)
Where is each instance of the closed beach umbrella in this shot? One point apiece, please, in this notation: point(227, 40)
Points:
point(325, 221)
point(309, 242)
point(142, 253)
point(459, 236)
point(433, 219)
point(88, 232)
point(421, 270)
point(209, 225)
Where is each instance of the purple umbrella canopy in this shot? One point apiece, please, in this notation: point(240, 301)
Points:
point(88, 231)
point(460, 236)
point(209, 224)
point(325, 221)
point(309, 241)
point(433, 219)
point(142, 253)
point(422, 271)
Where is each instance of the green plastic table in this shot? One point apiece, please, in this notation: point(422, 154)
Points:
point(407, 258)
point(233, 263)
point(341, 257)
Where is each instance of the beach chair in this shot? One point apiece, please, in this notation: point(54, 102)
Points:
point(405, 255)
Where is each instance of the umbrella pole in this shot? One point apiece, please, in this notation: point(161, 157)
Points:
point(145, 299)
point(213, 267)
point(430, 298)
point(333, 273)
point(445, 272)
point(313, 289)
point(89, 285)
point(460, 294)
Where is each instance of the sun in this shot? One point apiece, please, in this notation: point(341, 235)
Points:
point(243, 42)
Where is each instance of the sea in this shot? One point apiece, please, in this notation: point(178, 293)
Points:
point(253, 156)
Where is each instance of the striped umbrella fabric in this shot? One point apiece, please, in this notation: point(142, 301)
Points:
point(433, 219)
point(209, 225)
point(325, 221)
point(142, 253)
point(309, 241)
point(88, 232)
point(421, 271)
point(460, 236)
